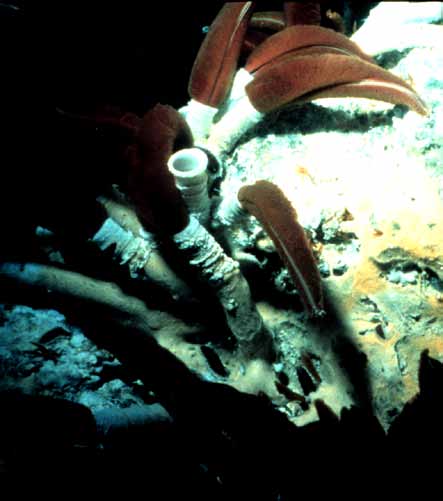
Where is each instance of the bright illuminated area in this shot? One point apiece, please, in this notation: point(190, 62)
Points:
point(231, 280)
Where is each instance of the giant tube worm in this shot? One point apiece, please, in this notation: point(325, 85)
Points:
point(158, 202)
point(216, 61)
point(299, 64)
point(290, 78)
point(268, 204)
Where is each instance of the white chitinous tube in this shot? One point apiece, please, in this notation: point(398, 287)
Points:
point(230, 211)
point(199, 117)
point(239, 116)
point(189, 168)
point(213, 267)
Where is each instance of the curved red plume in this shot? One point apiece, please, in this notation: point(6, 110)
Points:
point(268, 204)
point(294, 78)
point(216, 62)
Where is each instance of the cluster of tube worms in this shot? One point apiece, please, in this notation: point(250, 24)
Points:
point(288, 57)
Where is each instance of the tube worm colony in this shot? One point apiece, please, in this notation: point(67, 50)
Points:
point(287, 58)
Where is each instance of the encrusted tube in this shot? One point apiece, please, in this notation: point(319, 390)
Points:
point(223, 275)
point(189, 168)
point(137, 249)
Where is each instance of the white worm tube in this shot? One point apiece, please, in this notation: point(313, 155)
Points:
point(239, 116)
point(189, 167)
point(230, 211)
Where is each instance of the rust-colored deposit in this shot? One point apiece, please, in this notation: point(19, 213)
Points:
point(268, 204)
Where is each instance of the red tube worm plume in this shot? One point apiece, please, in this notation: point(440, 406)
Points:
point(292, 40)
point(294, 77)
point(216, 62)
point(301, 13)
point(158, 202)
point(268, 204)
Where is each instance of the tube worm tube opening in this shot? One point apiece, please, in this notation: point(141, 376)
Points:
point(188, 162)
point(189, 168)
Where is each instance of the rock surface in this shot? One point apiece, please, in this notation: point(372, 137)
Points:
point(366, 180)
